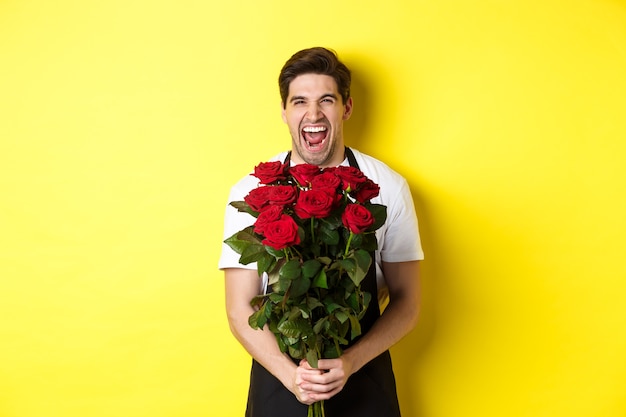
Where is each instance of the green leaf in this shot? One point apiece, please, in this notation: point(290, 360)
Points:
point(357, 241)
point(274, 273)
point(325, 260)
point(281, 343)
point(367, 298)
point(294, 328)
point(347, 264)
point(274, 328)
point(336, 337)
point(363, 261)
point(301, 231)
point(320, 280)
point(243, 207)
point(267, 309)
point(313, 303)
point(353, 301)
point(291, 269)
point(348, 285)
point(262, 319)
point(334, 220)
point(355, 327)
point(283, 284)
point(275, 297)
point(242, 239)
point(257, 319)
point(278, 254)
point(322, 324)
point(306, 313)
point(332, 352)
point(329, 237)
point(292, 341)
point(252, 253)
point(341, 316)
point(310, 268)
point(294, 314)
point(311, 358)
point(257, 301)
point(379, 212)
point(330, 305)
point(299, 287)
point(265, 263)
point(369, 242)
point(236, 244)
point(295, 352)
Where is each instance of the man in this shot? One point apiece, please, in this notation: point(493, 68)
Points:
point(315, 93)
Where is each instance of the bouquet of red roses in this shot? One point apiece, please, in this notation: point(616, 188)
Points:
point(314, 237)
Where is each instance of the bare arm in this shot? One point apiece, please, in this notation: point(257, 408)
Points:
point(241, 286)
point(398, 319)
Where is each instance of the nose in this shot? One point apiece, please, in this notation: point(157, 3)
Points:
point(314, 112)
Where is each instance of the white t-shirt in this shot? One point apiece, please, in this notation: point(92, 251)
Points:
point(398, 239)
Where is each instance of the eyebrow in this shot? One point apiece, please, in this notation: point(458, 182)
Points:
point(331, 95)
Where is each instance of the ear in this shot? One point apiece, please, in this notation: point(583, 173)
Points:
point(347, 109)
point(282, 111)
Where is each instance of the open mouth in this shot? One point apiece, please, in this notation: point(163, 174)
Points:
point(315, 136)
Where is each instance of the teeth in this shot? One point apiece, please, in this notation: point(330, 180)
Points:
point(314, 129)
point(317, 144)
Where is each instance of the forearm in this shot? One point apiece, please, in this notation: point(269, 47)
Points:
point(262, 346)
point(241, 286)
point(388, 330)
point(398, 319)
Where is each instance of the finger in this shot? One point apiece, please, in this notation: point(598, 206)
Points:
point(313, 388)
point(329, 363)
point(321, 377)
point(305, 364)
point(320, 396)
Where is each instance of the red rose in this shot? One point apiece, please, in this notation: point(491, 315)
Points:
point(333, 194)
point(269, 172)
point(351, 177)
point(281, 233)
point(326, 179)
point(258, 198)
point(357, 218)
point(313, 203)
point(267, 216)
point(281, 195)
point(304, 173)
point(366, 191)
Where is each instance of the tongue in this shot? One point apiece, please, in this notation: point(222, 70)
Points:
point(315, 137)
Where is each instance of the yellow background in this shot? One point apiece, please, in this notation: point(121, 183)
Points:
point(124, 123)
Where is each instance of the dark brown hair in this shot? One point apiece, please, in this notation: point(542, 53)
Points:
point(315, 61)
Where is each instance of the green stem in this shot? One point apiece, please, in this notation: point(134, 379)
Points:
point(348, 245)
point(316, 410)
point(312, 229)
point(293, 249)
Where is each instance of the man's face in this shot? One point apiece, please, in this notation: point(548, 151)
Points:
point(315, 113)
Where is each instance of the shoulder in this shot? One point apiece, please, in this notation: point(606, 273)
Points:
point(378, 171)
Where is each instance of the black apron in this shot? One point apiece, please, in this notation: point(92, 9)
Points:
point(370, 392)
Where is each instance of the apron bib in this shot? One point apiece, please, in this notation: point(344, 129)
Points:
point(370, 392)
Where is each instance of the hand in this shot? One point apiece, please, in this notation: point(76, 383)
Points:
point(322, 383)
